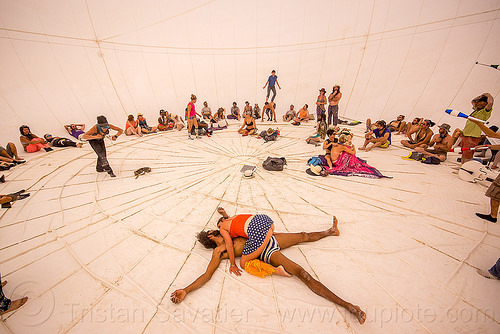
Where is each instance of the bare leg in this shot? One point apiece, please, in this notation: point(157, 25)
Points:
point(375, 144)
point(367, 141)
point(286, 240)
point(402, 127)
point(277, 259)
point(14, 151)
point(258, 251)
point(406, 143)
point(328, 160)
point(4, 159)
point(195, 123)
point(422, 150)
point(4, 154)
point(3, 283)
point(494, 204)
point(494, 165)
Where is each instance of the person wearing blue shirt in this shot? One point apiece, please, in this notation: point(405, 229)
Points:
point(380, 137)
point(271, 82)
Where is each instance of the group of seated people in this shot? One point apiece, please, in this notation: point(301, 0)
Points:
point(428, 147)
point(269, 111)
point(166, 121)
point(419, 137)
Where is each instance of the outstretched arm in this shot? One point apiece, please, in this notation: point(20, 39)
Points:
point(485, 129)
point(178, 295)
point(230, 251)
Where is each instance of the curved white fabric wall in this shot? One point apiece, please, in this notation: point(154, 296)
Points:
point(66, 61)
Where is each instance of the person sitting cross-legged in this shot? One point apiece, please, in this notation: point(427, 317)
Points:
point(248, 127)
point(302, 116)
point(440, 144)
point(290, 114)
point(422, 136)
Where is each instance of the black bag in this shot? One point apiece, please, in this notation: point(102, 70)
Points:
point(275, 164)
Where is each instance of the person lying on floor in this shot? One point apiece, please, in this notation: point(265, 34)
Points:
point(271, 254)
point(60, 141)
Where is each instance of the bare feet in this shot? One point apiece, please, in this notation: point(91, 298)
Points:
point(281, 271)
point(368, 148)
point(362, 148)
point(79, 145)
point(16, 304)
point(3, 283)
point(334, 230)
point(358, 313)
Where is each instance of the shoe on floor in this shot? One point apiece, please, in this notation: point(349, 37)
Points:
point(486, 274)
point(486, 217)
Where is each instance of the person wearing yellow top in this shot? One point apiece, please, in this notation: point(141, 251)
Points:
point(483, 106)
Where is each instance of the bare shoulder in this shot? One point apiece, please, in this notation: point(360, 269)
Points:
point(220, 252)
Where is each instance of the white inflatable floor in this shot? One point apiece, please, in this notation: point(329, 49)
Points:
point(96, 254)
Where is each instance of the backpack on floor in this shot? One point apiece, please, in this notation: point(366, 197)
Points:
point(274, 164)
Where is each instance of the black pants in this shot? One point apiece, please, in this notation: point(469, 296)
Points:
point(63, 142)
point(100, 149)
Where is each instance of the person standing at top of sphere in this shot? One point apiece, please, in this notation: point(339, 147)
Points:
point(333, 105)
point(191, 116)
point(271, 82)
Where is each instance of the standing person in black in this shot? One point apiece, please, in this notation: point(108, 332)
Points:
point(95, 137)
